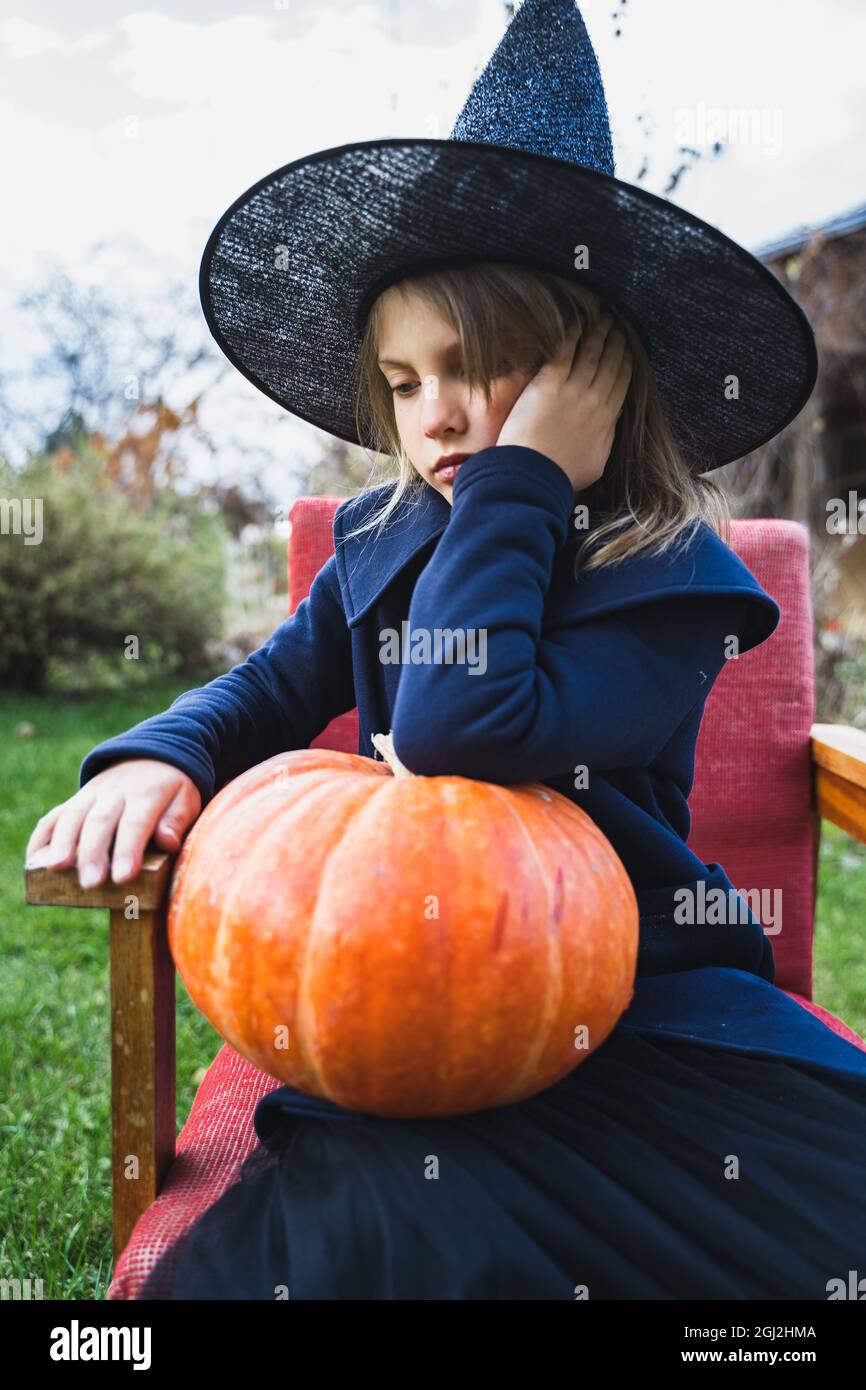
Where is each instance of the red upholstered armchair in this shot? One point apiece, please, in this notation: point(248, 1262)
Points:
point(765, 777)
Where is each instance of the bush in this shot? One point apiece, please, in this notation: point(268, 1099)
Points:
point(101, 575)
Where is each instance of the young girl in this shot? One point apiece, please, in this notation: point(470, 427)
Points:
point(714, 1146)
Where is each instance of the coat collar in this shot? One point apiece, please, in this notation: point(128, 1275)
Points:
point(698, 566)
point(367, 564)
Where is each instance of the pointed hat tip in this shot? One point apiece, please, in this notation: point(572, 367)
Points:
point(541, 90)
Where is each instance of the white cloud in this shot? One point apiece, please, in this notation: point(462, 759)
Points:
point(21, 39)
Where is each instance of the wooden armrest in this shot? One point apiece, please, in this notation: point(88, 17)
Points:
point(143, 1121)
point(60, 887)
point(839, 773)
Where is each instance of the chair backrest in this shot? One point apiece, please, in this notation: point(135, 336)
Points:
point(751, 802)
point(751, 799)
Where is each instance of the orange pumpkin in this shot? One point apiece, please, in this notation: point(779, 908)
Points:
point(402, 945)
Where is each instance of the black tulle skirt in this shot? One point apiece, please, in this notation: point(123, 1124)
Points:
point(658, 1169)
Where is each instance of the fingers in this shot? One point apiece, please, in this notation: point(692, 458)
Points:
point(167, 815)
point(589, 356)
point(615, 351)
point(571, 351)
point(97, 832)
point(58, 848)
point(123, 811)
point(581, 352)
point(606, 361)
point(42, 832)
point(82, 833)
point(619, 390)
point(567, 354)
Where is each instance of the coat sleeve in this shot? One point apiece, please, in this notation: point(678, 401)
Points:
point(281, 697)
point(608, 692)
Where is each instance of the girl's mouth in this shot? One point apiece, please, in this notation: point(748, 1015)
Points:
point(447, 475)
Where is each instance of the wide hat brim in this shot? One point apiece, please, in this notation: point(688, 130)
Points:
point(291, 269)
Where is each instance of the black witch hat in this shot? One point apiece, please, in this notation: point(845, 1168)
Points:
point(291, 269)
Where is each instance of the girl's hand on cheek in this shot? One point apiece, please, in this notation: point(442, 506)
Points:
point(569, 409)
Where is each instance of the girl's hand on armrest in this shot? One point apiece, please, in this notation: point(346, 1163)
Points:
point(129, 802)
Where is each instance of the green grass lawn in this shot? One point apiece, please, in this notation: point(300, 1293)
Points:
point(55, 1207)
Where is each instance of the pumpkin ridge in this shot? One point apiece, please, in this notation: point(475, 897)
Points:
point(357, 810)
point(318, 782)
point(549, 1013)
point(581, 848)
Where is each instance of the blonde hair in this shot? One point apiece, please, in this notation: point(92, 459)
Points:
point(647, 497)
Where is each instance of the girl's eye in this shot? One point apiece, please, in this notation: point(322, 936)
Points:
point(399, 390)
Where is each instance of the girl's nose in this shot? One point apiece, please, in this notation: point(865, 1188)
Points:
point(442, 412)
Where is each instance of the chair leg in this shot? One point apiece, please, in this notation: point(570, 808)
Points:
point(143, 1118)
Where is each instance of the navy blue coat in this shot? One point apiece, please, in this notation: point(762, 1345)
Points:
point(595, 686)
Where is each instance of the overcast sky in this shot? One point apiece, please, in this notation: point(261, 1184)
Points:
point(144, 123)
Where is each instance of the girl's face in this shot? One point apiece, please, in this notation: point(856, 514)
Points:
point(438, 416)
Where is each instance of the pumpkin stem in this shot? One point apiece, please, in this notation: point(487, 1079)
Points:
point(385, 745)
